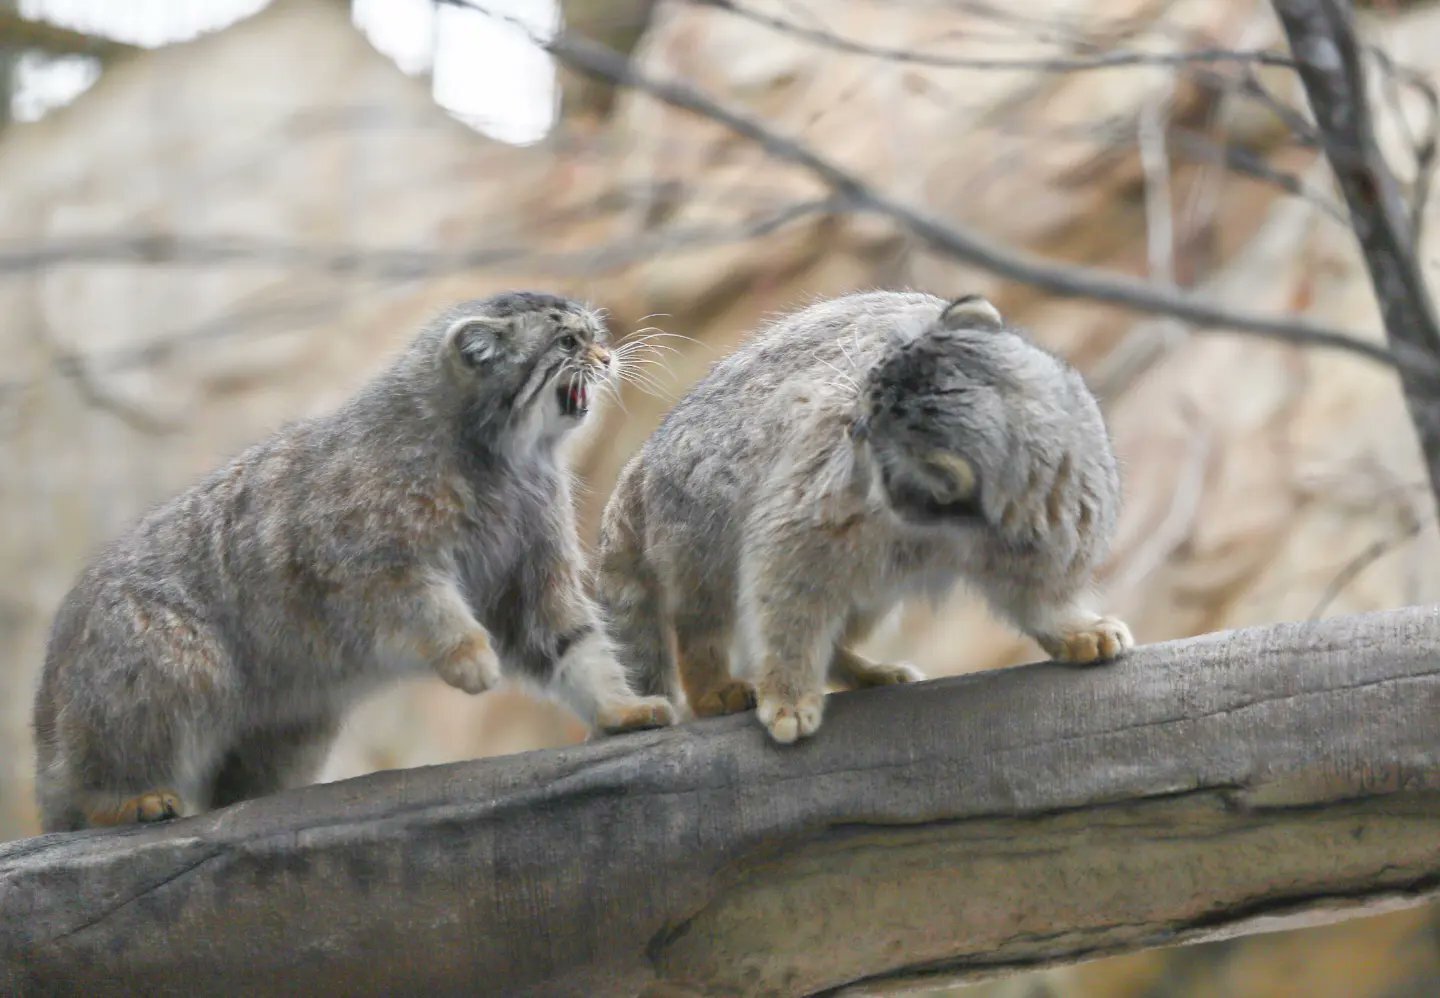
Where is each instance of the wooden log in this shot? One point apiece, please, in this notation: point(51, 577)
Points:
point(1231, 783)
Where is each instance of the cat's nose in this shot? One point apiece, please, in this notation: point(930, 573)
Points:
point(599, 355)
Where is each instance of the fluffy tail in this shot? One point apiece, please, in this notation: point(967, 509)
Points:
point(631, 593)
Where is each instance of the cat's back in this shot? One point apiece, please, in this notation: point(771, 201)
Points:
point(178, 553)
point(750, 400)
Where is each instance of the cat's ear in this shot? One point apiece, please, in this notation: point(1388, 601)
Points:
point(477, 341)
point(971, 312)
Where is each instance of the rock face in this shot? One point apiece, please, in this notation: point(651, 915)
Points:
point(190, 261)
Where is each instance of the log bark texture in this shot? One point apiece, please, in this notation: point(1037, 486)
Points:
point(1231, 783)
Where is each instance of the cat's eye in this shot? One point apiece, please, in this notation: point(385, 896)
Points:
point(569, 342)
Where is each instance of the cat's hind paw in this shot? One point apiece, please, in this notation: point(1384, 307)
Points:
point(885, 674)
point(155, 805)
point(635, 715)
point(730, 697)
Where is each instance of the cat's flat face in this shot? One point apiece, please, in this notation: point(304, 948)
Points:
point(547, 354)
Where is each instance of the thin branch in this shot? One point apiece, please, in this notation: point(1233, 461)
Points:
point(101, 398)
point(19, 32)
point(1106, 60)
point(1246, 162)
point(381, 265)
point(1150, 129)
point(1322, 37)
point(1353, 568)
point(1423, 146)
point(1295, 121)
point(954, 241)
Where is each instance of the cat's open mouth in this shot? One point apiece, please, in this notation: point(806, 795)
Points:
point(574, 398)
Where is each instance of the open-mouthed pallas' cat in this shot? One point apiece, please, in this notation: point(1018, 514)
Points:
point(208, 655)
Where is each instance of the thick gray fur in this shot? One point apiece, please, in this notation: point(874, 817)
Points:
point(860, 451)
point(207, 655)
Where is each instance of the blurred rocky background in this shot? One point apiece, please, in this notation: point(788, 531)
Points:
point(217, 216)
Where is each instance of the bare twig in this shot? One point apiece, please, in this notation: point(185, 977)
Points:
point(954, 241)
point(1423, 145)
point(1105, 60)
point(19, 32)
point(1295, 122)
point(1176, 525)
point(1238, 159)
point(1150, 137)
point(101, 398)
point(381, 265)
point(1146, 342)
point(1352, 569)
point(1322, 37)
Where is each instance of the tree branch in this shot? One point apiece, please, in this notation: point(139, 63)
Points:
point(965, 827)
point(377, 264)
point(960, 243)
point(1322, 38)
point(23, 32)
point(1072, 64)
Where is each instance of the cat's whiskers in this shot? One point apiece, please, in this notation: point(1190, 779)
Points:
point(645, 345)
point(642, 353)
point(649, 334)
point(630, 369)
point(645, 384)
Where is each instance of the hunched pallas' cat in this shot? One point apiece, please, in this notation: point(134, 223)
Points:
point(852, 454)
point(208, 655)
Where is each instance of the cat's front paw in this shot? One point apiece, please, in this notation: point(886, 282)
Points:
point(790, 720)
point(471, 665)
point(635, 715)
point(1098, 640)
